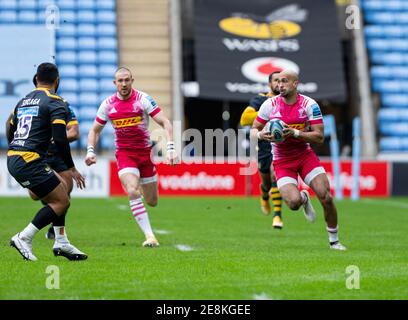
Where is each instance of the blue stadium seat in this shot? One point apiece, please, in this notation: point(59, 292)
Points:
point(395, 100)
point(107, 43)
point(105, 94)
point(88, 99)
point(87, 56)
point(86, 30)
point(87, 43)
point(389, 72)
point(8, 5)
point(392, 144)
point(88, 113)
point(87, 4)
point(395, 58)
point(8, 16)
point(390, 86)
point(89, 71)
point(67, 43)
point(86, 16)
point(107, 70)
point(106, 4)
point(398, 129)
point(3, 141)
point(389, 5)
point(68, 16)
point(392, 114)
point(107, 57)
point(387, 44)
point(88, 84)
point(381, 17)
point(107, 85)
point(42, 4)
point(69, 85)
point(106, 30)
point(71, 97)
point(27, 5)
point(66, 30)
point(393, 31)
point(106, 16)
point(66, 57)
point(66, 4)
point(107, 140)
point(68, 70)
point(27, 16)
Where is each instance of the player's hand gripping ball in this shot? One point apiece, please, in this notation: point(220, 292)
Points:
point(276, 127)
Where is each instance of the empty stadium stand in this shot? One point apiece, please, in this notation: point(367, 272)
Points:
point(86, 51)
point(386, 33)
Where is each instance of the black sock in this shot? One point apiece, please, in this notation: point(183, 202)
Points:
point(59, 221)
point(265, 192)
point(44, 217)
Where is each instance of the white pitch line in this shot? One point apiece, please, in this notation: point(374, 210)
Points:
point(183, 247)
point(123, 207)
point(262, 296)
point(162, 231)
point(387, 202)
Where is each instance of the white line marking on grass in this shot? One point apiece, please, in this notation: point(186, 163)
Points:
point(183, 247)
point(387, 202)
point(262, 296)
point(162, 231)
point(123, 207)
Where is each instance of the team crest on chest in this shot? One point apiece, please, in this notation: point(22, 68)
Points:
point(302, 113)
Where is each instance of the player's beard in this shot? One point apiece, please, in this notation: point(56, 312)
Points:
point(276, 92)
point(125, 92)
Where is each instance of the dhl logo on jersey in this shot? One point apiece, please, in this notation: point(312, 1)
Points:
point(126, 122)
point(298, 126)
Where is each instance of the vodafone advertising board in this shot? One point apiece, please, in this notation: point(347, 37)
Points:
point(193, 179)
point(374, 178)
point(225, 179)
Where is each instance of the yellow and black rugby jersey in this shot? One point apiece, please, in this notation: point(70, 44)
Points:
point(257, 101)
point(33, 117)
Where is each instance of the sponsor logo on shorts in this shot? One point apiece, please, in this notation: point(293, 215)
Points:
point(127, 122)
point(25, 183)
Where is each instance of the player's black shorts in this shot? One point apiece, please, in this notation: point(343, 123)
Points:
point(264, 157)
point(56, 162)
point(35, 175)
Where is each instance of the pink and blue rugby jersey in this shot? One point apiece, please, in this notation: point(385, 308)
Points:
point(300, 115)
point(129, 118)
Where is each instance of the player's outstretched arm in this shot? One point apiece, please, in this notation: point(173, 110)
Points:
point(93, 138)
point(165, 123)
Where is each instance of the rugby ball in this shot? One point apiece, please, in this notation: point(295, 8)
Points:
point(276, 127)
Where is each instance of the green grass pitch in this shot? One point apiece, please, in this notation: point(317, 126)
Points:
point(235, 253)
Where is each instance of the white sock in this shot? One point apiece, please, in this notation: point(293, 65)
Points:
point(140, 214)
point(29, 232)
point(333, 234)
point(60, 235)
point(303, 196)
